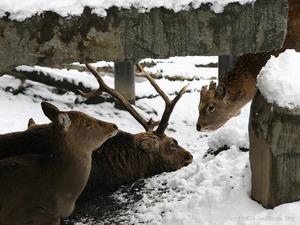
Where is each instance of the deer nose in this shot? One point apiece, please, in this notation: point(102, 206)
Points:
point(198, 127)
point(188, 159)
point(115, 126)
point(188, 156)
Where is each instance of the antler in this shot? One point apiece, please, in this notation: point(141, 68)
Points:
point(169, 104)
point(148, 125)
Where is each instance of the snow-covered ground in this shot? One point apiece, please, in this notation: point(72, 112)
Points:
point(213, 191)
point(188, 67)
point(20, 10)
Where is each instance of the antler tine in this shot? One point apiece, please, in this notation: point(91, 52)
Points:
point(148, 125)
point(102, 85)
point(168, 110)
point(169, 104)
point(143, 73)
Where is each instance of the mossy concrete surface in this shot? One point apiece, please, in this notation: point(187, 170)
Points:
point(50, 39)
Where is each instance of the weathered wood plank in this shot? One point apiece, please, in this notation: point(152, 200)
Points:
point(274, 153)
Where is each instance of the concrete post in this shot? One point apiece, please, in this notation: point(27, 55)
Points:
point(124, 80)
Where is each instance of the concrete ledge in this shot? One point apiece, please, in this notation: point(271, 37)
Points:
point(50, 39)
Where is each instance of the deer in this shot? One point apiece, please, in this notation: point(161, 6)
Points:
point(219, 103)
point(41, 189)
point(128, 157)
point(237, 87)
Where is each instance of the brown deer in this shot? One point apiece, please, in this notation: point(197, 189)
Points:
point(40, 189)
point(237, 87)
point(128, 157)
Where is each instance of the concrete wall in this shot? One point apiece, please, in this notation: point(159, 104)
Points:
point(50, 39)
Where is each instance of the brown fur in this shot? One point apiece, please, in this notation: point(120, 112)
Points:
point(41, 189)
point(125, 158)
point(128, 157)
point(239, 84)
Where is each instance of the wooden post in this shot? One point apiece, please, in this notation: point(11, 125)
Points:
point(226, 63)
point(124, 80)
point(274, 153)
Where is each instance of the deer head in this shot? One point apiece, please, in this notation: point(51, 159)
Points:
point(162, 154)
point(78, 130)
point(154, 142)
point(215, 108)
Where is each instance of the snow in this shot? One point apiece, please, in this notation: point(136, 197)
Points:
point(97, 64)
point(73, 76)
point(188, 67)
point(196, 60)
point(20, 10)
point(234, 132)
point(179, 70)
point(279, 80)
point(207, 192)
point(143, 88)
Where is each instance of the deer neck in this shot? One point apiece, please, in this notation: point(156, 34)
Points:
point(240, 82)
point(71, 168)
point(240, 88)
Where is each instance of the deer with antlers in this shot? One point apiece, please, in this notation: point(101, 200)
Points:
point(128, 157)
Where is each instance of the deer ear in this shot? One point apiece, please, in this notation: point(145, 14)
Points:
point(64, 121)
point(31, 123)
point(59, 118)
point(221, 91)
point(212, 85)
point(203, 90)
point(50, 111)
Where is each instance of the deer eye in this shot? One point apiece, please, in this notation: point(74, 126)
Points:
point(210, 108)
point(175, 141)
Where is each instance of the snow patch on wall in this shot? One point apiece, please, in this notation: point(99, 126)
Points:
point(20, 10)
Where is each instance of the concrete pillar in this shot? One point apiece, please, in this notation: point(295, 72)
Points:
point(124, 79)
point(226, 63)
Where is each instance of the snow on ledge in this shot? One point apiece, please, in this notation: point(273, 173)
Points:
point(279, 80)
point(20, 10)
